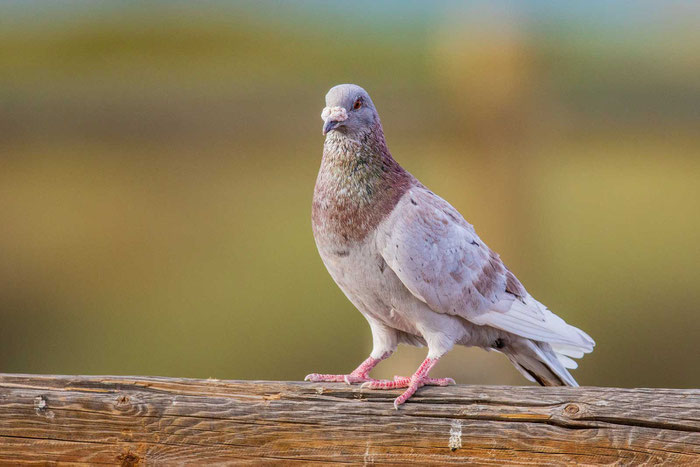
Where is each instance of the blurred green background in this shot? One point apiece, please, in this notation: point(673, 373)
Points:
point(157, 162)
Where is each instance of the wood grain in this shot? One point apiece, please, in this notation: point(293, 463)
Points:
point(149, 420)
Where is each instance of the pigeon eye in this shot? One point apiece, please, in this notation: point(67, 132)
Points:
point(357, 104)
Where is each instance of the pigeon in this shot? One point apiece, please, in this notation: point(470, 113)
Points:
point(415, 268)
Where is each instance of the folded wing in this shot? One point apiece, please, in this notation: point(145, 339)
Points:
point(441, 260)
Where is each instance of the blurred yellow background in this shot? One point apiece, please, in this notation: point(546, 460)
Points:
point(157, 161)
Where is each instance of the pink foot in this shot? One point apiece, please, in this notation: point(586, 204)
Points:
point(349, 379)
point(360, 375)
point(419, 379)
point(405, 381)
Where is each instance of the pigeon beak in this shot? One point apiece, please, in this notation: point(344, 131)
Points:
point(330, 125)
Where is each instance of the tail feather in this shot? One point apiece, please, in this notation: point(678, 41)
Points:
point(567, 362)
point(573, 352)
point(531, 319)
point(539, 362)
point(544, 345)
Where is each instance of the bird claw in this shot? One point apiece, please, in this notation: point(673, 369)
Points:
point(347, 379)
point(411, 385)
point(384, 384)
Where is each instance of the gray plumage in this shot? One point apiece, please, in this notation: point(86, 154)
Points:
point(413, 266)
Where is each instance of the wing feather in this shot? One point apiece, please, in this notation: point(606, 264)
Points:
point(439, 257)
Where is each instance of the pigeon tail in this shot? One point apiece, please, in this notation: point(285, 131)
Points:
point(540, 363)
point(531, 319)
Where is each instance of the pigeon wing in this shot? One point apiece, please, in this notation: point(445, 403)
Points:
point(439, 257)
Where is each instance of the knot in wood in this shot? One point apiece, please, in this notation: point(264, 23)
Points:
point(572, 409)
point(40, 403)
point(122, 400)
point(41, 407)
point(128, 459)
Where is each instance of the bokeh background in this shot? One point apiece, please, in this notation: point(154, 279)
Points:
point(157, 161)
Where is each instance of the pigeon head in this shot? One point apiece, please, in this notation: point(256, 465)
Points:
point(348, 110)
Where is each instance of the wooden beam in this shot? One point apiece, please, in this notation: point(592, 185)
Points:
point(145, 420)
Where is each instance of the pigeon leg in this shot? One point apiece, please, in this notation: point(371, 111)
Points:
point(420, 378)
point(361, 373)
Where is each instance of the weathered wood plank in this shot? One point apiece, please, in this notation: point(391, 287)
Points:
point(131, 420)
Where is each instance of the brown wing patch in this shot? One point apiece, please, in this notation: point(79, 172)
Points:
point(457, 276)
point(513, 285)
point(488, 283)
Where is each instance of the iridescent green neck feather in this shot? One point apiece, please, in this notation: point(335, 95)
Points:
point(359, 183)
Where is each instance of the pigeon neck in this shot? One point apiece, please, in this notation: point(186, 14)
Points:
point(359, 183)
point(357, 151)
point(360, 163)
